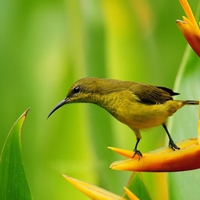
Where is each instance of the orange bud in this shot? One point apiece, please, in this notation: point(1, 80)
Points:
point(189, 28)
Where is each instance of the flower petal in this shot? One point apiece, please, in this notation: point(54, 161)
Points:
point(191, 34)
point(163, 160)
point(92, 191)
point(189, 28)
point(188, 12)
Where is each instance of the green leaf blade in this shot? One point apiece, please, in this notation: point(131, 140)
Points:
point(13, 182)
point(138, 186)
point(184, 185)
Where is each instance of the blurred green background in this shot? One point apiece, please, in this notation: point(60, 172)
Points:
point(45, 46)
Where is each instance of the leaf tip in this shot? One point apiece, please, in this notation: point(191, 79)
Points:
point(26, 112)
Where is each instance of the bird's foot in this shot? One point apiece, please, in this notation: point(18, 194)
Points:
point(137, 152)
point(173, 146)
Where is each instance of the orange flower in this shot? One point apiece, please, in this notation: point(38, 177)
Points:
point(162, 160)
point(189, 27)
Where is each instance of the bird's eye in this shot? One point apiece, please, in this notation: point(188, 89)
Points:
point(76, 90)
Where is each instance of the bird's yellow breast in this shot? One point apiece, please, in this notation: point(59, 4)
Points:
point(127, 108)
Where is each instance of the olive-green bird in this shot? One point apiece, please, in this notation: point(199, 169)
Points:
point(137, 105)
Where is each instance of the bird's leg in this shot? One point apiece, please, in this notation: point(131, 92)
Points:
point(136, 151)
point(172, 145)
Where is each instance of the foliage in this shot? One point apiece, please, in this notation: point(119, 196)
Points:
point(46, 46)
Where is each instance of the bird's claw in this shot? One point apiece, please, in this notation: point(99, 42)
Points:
point(137, 152)
point(173, 146)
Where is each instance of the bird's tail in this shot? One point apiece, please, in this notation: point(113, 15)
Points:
point(191, 102)
point(174, 105)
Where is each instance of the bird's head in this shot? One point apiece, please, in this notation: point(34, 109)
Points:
point(84, 91)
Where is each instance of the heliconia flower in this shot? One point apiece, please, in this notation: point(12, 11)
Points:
point(161, 160)
point(92, 191)
point(190, 28)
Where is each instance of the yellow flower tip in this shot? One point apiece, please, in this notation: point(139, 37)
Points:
point(164, 159)
point(186, 7)
point(180, 22)
point(123, 152)
point(130, 194)
point(92, 191)
point(69, 179)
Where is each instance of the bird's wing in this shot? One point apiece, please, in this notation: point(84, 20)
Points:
point(151, 94)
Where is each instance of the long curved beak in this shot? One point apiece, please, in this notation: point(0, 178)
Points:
point(60, 104)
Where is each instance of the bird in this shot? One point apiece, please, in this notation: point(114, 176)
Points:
point(139, 106)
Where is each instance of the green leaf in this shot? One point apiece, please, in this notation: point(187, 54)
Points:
point(13, 182)
point(138, 186)
point(185, 185)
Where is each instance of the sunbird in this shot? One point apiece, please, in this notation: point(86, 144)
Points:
point(139, 106)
